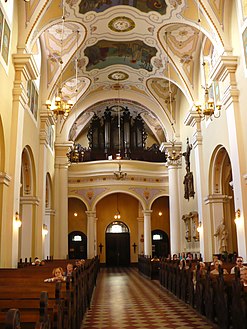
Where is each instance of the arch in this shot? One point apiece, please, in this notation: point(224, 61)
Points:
point(117, 227)
point(160, 243)
point(220, 169)
point(77, 218)
point(119, 190)
point(222, 198)
point(27, 203)
point(77, 245)
point(28, 177)
point(117, 245)
point(2, 147)
point(48, 192)
point(48, 220)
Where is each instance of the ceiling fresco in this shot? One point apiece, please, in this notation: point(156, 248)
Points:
point(102, 5)
point(151, 49)
point(134, 53)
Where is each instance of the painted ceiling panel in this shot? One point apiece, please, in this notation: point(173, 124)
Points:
point(102, 5)
point(135, 54)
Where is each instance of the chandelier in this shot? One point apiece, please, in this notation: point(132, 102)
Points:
point(210, 108)
point(61, 106)
point(119, 174)
point(173, 152)
point(117, 215)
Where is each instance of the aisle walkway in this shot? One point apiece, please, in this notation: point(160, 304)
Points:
point(123, 299)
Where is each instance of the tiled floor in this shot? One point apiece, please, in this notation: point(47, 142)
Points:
point(123, 299)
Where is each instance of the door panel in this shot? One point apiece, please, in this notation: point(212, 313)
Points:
point(77, 249)
point(117, 249)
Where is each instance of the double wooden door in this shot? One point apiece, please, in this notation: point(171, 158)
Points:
point(117, 249)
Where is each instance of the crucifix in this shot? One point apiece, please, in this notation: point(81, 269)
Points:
point(100, 247)
point(134, 246)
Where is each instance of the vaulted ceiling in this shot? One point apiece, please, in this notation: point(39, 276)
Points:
point(146, 53)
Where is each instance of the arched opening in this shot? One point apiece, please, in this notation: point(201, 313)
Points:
point(160, 244)
point(222, 201)
point(117, 244)
point(27, 209)
point(77, 227)
point(77, 245)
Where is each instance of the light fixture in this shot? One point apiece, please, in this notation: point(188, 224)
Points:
point(18, 221)
point(160, 213)
point(120, 175)
point(45, 229)
point(75, 214)
point(237, 216)
point(117, 215)
point(60, 107)
point(209, 109)
point(173, 154)
point(199, 227)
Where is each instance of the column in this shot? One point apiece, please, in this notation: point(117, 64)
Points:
point(224, 72)
point(28, 205)
point(140, 223)
point(147, 233)
point(46, 120)
point(4, 187)
point(25, 69)
point(174, 163)
point(61, 200)
point(194, 120)
point(91, 238)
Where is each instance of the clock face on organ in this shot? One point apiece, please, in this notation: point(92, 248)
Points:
point(121, 24)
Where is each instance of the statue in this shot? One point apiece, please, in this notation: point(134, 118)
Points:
point(222, 235)
point(188, 178)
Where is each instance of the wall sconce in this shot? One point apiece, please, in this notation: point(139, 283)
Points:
point(199, 227)
point(237, 216)
point(44, 229)
point(18, 221)
point(160, 213)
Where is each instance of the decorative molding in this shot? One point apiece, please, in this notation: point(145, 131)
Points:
point(5, 179)
point(33, 200)
point(217, 198)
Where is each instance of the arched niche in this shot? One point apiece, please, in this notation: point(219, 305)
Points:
point(221, 197)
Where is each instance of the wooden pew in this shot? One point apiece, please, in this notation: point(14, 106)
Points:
point(66, 305)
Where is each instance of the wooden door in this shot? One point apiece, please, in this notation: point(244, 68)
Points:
point(117, 249)
point(77, 245)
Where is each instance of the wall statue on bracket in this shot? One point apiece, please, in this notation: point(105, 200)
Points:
point(188, 178)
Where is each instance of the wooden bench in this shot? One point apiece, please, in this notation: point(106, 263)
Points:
point(67, 301)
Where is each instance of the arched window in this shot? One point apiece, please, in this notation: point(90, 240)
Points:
point(117, 227)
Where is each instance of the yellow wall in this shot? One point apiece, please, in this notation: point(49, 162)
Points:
point(79, 222)
point(161, 222)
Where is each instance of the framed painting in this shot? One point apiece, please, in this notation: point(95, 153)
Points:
point(244, 8)
point(6, 42)
point(244, 38)
point(1, 27)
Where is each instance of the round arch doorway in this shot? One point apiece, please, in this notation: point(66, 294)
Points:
point(117, 244)
point(77, 245)
point(160, 243)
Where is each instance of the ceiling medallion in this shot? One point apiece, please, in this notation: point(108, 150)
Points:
point(118, 76)
point(121, 24)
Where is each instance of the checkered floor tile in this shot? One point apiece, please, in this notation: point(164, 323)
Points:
point(123, 299)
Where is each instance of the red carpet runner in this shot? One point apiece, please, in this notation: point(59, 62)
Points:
point(123, 299)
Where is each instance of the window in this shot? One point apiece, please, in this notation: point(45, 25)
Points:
point(117, 227)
